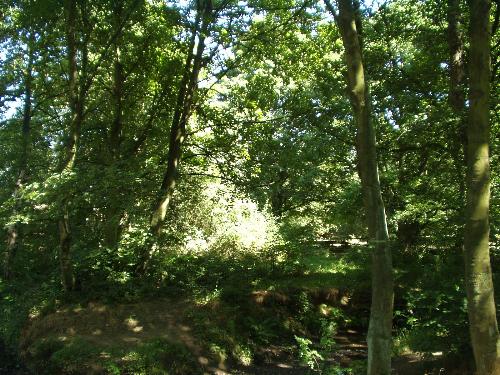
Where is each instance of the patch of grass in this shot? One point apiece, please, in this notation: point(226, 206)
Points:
point(75, 357)
point(22, 300)
point(78, 356)
point(160, 356)
point(40, 356)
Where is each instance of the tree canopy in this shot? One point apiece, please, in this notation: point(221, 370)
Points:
point(222, 151)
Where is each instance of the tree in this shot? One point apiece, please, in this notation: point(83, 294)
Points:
point(456, 95)
point(186, 109)
point(380, 326)
point(23, 171)
point(76, 100)
point(478, 274)
point(183, 110)
point(116, 136)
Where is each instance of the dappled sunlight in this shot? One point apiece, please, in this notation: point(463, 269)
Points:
point(249, 187)
point(133, 325)
point(209, 330)
point(226, 220)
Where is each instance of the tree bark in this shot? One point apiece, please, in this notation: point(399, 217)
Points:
point(456, 98)
point(116, 133)
point(113, 210)
point(380, 325)
point(478, 276)
point(76, 109)
point(76, 105)
point(456, 63)
point(182, 114)
point(13, 229)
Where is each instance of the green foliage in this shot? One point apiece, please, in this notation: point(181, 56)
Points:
point(435, 311)
point(307, 355)
point(28, 299)
point(328, 331)
point(267, 177)
point(73, 357)
point(158, 356)
point(161, 357)
point(41, 355)
point(355, 368)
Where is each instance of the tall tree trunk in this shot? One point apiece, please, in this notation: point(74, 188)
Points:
point(113, 211)
point(115, 136)
point(182, 114)
point(456, 98)
point(76, 109)
point(456, 63)
point(478, 277)
point(13, 229)
point(75, 99)
point(380, 326)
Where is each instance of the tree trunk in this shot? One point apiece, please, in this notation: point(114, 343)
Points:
point(13, 229)
point(181, 115)
point(456, 63)
point(456, 99)
point(75, 99)
point(113, 210)
point(278, 197)
point(116, 136)
point(380, 326)
point(478, 277)
point(65, 262)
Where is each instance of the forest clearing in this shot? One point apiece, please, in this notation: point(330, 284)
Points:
point(250, 187)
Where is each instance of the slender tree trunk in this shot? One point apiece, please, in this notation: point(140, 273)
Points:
point(478, 277)
point(380, 326)
point(116, 136)
point(65, 262)
point(13, 229)
point(456, 98)
point(181, 115)
point(278, 198)
point(113, 211)
point(456, 63)
point(75, 99)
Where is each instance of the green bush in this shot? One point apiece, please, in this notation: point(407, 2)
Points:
point(41, 354)
point(161, 356)
point(75, 357)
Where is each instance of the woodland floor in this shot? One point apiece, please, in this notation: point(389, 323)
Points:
point(130, 325)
